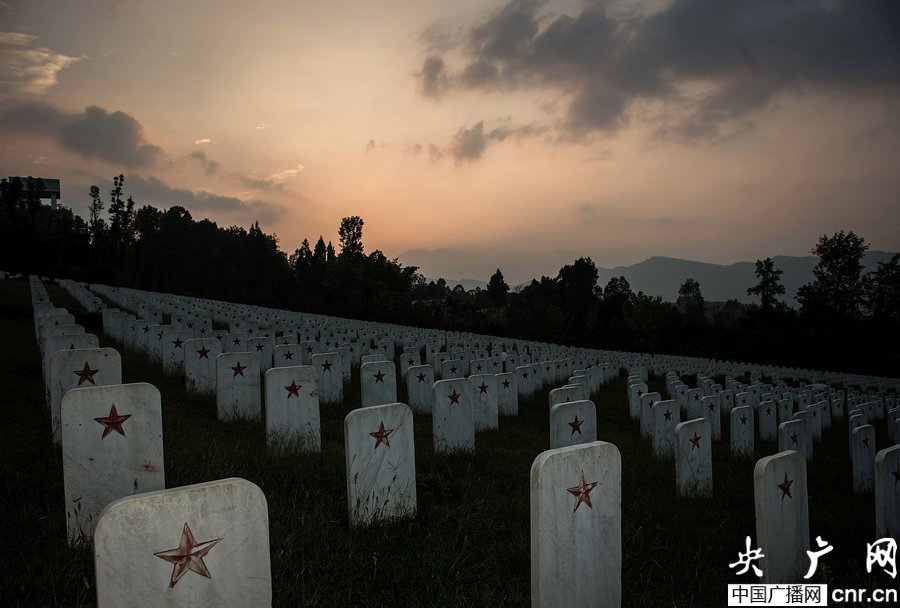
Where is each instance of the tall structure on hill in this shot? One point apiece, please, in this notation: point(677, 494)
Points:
point(49, 188)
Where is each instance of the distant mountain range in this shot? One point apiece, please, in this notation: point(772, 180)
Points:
point(662, 276)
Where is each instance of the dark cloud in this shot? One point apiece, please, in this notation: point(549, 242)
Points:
point(210, 166)
point(153, 191)
point(114, 137)
point(432, 78)
point(468, 144)
point(743, 53)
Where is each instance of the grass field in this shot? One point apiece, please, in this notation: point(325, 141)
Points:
point(468, 544)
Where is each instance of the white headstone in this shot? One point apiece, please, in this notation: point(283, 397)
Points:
point(782, 516)
point(666, 415)
point(742, 432)
point(862, 451)
point(200, 365)
point(237, 386)
point(484, 395)
point(378, 383)
point(112, 446)
point(693, 458)
point(70, 369)
point(573, 423)
point(292, 409)
point(329, 376)
point(453, 416)
point(887, 493)
point(576, 527)
point(507, 394)
point(381, 463)
point(200, 545)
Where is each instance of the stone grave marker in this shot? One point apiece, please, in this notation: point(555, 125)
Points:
point(51, 344)
point(237, 386)
point(485, 396)
point(573, 423)
point(887, 493)
point(419, 379)
point(329, 377)
point(782, 516)
point(264, 347)
point(200, 365)
point(742, 432)
point(576, 526)
point(646, 415)
point(712, 412)
point(525, 382)
point(292, 409)
point(381, 463)
point(172, 350)
point(452, 368)
point(507, 394)
point(635, 392)
point(666, 415)
point(453, 416)
point(693, 458)
point(287, 355)
point(112, 446)
point(199, 545)
point(793, 435)
point(768, 420)
point(378, 383)
point(806, 417)
point(862, 451)
point(816, 420)
point(74, 368)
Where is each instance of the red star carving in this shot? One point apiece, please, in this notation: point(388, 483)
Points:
point(866, 441)
point(421, 376)
point(177, 342)
point(146, 329)
point(259, 348)
point(188, 556)
point(743, 421)
point(712, 407)
point(582, 492)
point(288, 356)
point(483, 388)
point(86, 374)
point(379, 377)
point(896, 474)
point(695, 440)
point(452, 370)
point(576, 425)
point(113, 422)
point(203, 352)
point(309, 349)
point(238, 369)
point(326, 366)
point(785, 487)
point(506, 383)
point(381, 435)
point(478, 368)
point(293, 390)
point(237, 342)
point(668, 415)
point(409, 362)
point(454, 397)
point(525, 375)
point(794, 438)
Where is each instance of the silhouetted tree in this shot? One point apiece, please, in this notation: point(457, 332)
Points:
point(497, 289)
point(883, 297)
point(350, 233)
point(769, 287)
point(839, 287)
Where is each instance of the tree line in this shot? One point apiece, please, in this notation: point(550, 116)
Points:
point(846, 319)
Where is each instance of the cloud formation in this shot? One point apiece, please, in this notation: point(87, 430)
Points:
point(28, 71)
point(712, 64)
point(113, 137)
point(153, 191)
point(210, 166)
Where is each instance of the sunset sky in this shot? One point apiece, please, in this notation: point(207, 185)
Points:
point(472, 135)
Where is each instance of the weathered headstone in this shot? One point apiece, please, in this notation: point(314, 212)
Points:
point(200, 545)
point(573, 423)
point(200, 365)
point(666, 415)
point(742, 432)
point(711, 411)
point(292, 409)
point(768, 420)
point(237, 386)
point(381, 463)
point(782, 516)
point(329, 376)
point(112, 446)
point(70, 369)
point(419, 379)
point(862, 456)
point(507, 394)
point(576, 527)
point(887, 493)
point(378, 383)
point(484, 396)
point(453, 416)
point(693, 458)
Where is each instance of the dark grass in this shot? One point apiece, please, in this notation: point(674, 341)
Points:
point(468, 544)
